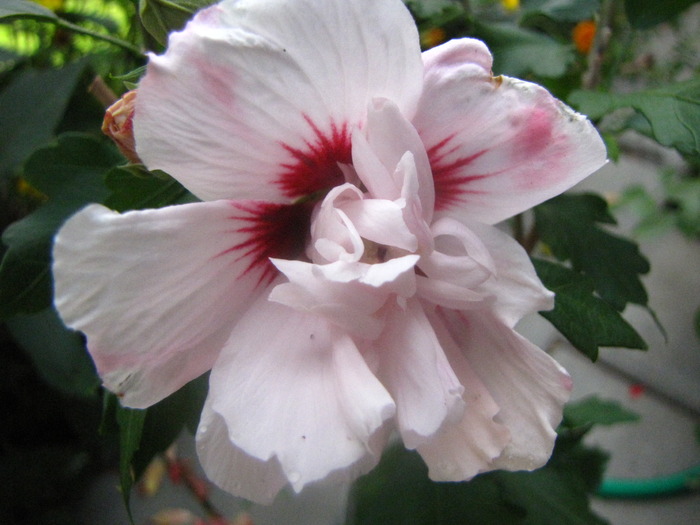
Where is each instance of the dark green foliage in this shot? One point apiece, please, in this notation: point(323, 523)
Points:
point(29, 113)
point(57, 353)
point(644, 14)
point(134, 188)
point(70, 174)
point(398, 491)
point(572, 227)
point(584, 319)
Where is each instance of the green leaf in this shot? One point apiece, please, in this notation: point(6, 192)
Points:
point(131, 423)
point(584, 319)
point(592, 411)
point(399, 492)
point(160, 17)
point(58, 354)
point(673, 111)
point(70, 173)
point(133, 187)
point(31, 107)
point(165, 421)
point(520, 52)
point(14, 9)
point(562, 10)
point(644, 14)
point(570, 226)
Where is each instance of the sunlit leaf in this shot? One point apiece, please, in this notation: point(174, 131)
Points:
point(585, 320)
point(673, 112)
point(14, 9)
point(571, 226)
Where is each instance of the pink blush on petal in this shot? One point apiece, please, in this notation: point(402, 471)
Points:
point(535, 136)
point(315, 167)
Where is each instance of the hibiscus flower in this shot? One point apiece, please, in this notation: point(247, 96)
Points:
point(341, 277)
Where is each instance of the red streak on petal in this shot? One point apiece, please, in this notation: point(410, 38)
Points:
point(272, 230)
point(450, 185)
point(315, 167)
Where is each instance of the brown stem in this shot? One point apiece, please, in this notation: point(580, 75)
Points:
point(601, 42)
point(102, 92)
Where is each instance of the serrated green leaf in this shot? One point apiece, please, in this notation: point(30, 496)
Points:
point(592, 411)
point(519, 52)
point(570, 226)
point(29, 112)
point(14, 9)
point(644, 14)
point(584, 319)
point(70, 173)
point(133, 187)
point(161, 17)
point(673, 112)
point(130, 423)
point(58, 354)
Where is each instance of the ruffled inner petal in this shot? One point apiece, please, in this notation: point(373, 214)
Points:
point(529, 387)
point(307, 400)
point(414, 369)
point(460, 450)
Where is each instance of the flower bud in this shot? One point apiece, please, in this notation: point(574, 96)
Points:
point(583, 35)
point(118, 125)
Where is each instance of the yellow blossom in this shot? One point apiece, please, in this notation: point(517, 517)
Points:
point(510, 5)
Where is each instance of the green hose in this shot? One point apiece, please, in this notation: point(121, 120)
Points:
point(619, 488)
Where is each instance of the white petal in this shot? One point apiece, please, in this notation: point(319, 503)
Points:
point(529, 386)
point(414, 369)
point(156, 292)
point(497, 146)
point(346, 294)
point(381, 221)
point(333, 235)
point(514, 285)
point(232, 469)
point(460, 450)
point(290, 387)
point(258, 99)
point(390, 136)
point(459, 257)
